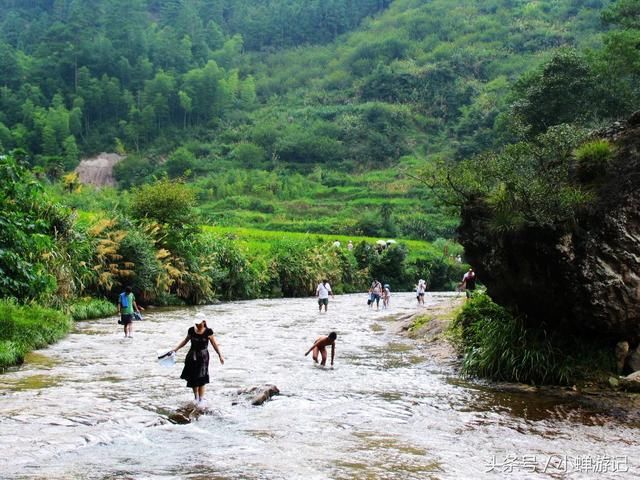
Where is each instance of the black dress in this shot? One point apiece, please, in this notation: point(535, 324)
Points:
point(196, 363)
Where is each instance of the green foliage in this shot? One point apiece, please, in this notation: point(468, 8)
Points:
point(593, 159)
point(137, 253)
point(89, 308)
point(26, 328)
point(527, 184)
point(496, 345)
point(166, 202)
point(180, 163)
point(234, 276)
point(29, 224)
point(390, 267)
point(156, 72)
point(249, 155)
point(564, 91)
point(133, 171)
point(296, 271)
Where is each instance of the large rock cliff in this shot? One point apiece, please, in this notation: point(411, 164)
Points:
point(583, 278)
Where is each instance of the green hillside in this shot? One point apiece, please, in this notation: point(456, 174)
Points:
point(304, 116)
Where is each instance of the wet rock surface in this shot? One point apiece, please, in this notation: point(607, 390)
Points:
point(256, 395)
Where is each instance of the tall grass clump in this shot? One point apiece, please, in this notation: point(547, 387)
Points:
point(592, 159)
point(496, 345)
point(88, 308)
point(27, 327)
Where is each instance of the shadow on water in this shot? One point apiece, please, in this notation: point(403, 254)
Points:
point(31, 382)
point(398, 460)
point(551, 403)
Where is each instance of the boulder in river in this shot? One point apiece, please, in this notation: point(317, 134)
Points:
point(256, 395)
point(188, 413)
point(631, 383)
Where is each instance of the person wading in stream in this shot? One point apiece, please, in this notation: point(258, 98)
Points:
point(196, 363)
point(323, 291)
point(320, 347)
point(376, 290)
point(126, 305)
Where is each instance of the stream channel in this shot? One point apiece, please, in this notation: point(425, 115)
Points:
point(97, 406)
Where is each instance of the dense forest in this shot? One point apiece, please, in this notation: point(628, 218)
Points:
point(286, 115)
point(90, 76)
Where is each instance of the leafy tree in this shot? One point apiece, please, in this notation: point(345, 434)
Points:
point(180, 163)
point(28, 224)
point(169, 203)
point(564, 91)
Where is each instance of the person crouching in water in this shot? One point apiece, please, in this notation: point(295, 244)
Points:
point(320, 347)
point(196, 363)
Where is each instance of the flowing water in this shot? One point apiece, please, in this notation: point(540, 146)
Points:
point(97, 406)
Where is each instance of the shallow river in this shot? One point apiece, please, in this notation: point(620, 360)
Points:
point(96, 406)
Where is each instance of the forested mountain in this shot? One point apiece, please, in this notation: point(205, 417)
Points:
point(89, 71)
point(212, 90)
point(77, 75)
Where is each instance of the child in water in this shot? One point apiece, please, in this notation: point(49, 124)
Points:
point(320, 347)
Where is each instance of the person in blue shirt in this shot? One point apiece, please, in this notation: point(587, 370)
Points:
point(126, 306)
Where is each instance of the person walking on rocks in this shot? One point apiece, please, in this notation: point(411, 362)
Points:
point(196, 363)
point(323, 290)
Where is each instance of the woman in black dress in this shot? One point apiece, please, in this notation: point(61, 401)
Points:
point(196, 363)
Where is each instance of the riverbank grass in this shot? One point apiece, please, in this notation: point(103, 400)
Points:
point(498, 346)
point(89, 308)
point(28, 327)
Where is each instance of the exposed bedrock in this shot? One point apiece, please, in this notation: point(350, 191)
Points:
point(580, 279)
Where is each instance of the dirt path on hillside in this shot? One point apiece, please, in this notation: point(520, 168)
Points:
point(98, 170)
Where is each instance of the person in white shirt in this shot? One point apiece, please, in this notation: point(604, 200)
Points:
point(420, 289)
point(322, 292)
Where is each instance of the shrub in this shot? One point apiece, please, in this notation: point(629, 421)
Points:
point(249, 154)
point(498, 346)
point(180, 163)
point(133, 170)
point(391, 266)
point(172, 205)
point(88, 308)
point(592, 159)
point(292, 267)
point(233, 276)
point(137, 251)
